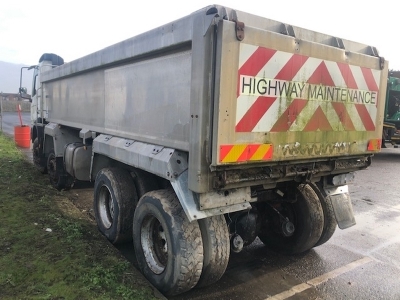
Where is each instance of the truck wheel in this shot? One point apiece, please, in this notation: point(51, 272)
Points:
point(216, 248)
point(144, 182)
point(168, 247)
point(114, 201)
point(36, 153)
point(293, 227)
point(59, 179)
point(330, 223)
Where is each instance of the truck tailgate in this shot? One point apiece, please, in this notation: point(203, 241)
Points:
point(280, 97)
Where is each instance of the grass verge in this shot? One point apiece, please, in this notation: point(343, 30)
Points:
point(48, 248)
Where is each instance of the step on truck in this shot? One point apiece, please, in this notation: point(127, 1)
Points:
point(208, 132)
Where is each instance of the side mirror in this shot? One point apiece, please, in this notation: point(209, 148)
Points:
point(23, 93)
point(22, 90)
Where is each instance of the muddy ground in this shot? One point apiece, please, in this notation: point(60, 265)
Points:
point(81, 195)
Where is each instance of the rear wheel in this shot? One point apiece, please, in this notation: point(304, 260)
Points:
point(144, 182)
point(330, 223)
point(59, 179)
point(216, 245)
point(168, 247)
point(293, 227)
point(114, 201)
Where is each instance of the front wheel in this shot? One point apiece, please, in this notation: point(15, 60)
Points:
point(293, 226)
point(37, 153)
point(59, 179)
point(168, 247)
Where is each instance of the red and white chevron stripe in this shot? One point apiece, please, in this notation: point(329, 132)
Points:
point(279, 91)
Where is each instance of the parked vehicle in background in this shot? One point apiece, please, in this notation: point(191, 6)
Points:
point(391, 125)
point(207, 132)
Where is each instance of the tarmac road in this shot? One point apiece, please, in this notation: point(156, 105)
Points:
point(10, 119)
point(361, 262)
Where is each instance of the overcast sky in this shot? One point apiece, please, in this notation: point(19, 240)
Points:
point(73, 28)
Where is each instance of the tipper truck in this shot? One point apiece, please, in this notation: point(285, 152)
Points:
point(208, 132)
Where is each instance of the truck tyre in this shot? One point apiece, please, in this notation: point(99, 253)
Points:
point(114, 201)
point(216, 248)
point(144, 182)
point(305, 214)
point(330, 223)
point(59, 179)
point(168, 247)
point(36, 153)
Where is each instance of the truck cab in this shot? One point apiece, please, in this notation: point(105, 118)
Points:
point(39, 106)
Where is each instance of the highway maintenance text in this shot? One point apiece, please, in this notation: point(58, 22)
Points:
point(255, 86)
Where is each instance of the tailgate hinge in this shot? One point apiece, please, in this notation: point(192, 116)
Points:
point(239, 26)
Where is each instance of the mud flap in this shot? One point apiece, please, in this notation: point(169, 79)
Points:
point(342, 206)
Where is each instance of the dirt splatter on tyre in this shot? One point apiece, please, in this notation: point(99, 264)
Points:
point(168, 247)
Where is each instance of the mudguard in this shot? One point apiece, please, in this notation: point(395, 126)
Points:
point(341, 202)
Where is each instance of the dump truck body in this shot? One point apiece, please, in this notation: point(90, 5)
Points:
point(237, 120)
point(269, 98)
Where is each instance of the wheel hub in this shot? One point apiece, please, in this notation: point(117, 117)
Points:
point(106, 207)
point(288, 228)
point(154, 244)
point(236, 243)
